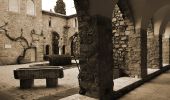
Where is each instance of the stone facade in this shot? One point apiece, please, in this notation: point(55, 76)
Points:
point(128, 45)
point(29, 32)
point(120, 44)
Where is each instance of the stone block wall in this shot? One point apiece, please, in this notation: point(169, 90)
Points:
point(20, 24)
point(17, 21)
point(63, 25)
point(120, 43)
point(152, 52)
point(57, 25)
point(166, 51)
point(129, 50)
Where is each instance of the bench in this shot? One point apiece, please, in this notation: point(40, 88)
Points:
point(27, 76)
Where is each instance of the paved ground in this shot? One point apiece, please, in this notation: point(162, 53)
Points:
point(157, 89)
point(9, 87)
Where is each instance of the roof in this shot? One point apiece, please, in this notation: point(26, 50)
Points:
point(58, 14)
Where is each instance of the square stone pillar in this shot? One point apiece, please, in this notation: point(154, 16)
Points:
point(160, 51)
point(96, 52)
point(166, 48)
point(153, 54)
point(137, 53)
point(169, 51)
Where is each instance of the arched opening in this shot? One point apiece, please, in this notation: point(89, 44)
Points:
point(55, 43)
point(31, 8)
point(75, 45)
point(153, 49)
point(166, 45)
point(50, 22)
point(47, 49)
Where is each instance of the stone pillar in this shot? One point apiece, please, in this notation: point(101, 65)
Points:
point(169, 51)
point(137, 53)
point(96, 76)
point(96, 50)
point(166, 52)
point(160, 51)
point(153, 52)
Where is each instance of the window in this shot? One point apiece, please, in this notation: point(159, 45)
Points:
point(75, 22)
point(30, 7)
point(14, 5)
point(49, 22)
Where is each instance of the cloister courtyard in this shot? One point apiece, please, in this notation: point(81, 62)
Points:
point(107, 50)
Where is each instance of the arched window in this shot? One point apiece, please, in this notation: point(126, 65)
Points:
point(49, 22)
point(14, 5)
point(75, 22)
point(30, 7)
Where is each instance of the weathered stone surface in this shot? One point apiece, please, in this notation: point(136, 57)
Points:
point(96, 54)
point(96, 73)
point(120, 43)
point(153, 52)
point(137, 54)
point(43, 23)
point(166, 51)
point(38, 73)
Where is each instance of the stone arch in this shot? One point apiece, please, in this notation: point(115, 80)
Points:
point(47, 49)
point(123, 29)
point(31, 7)
point(161, 11)
point(165, 42)
point(55, 42)
point(74, 45)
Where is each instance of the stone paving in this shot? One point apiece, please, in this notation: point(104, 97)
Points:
point(156, 89)
point(9, 87)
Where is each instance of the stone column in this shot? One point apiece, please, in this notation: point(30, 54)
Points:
point(96, 49)
point(169, 51)
point(137, 53)
point(153, 52)
point(96, 76)
point(160, 51)
point(166, 49)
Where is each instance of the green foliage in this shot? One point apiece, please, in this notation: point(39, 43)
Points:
point(60, 7)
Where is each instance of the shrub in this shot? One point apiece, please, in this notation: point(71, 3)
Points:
point(58, 60)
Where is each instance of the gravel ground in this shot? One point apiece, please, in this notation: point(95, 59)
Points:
point(9, 87)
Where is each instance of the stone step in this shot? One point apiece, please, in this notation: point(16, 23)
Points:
point(78, 97)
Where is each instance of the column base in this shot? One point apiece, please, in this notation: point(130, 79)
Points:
point(51, 83)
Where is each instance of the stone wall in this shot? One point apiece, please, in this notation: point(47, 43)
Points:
point(153, 52)
point(70, 32)
point(17, 21)
point(120, 43)
point(57, 25)
point(42, 24)
point(127, 45)
point(63, 25)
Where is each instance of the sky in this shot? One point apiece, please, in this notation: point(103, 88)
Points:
point(49, 4)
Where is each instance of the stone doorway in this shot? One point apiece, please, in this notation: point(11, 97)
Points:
point(47, 50)
point(55, 43)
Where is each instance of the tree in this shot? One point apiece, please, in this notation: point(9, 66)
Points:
point(60, 7)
